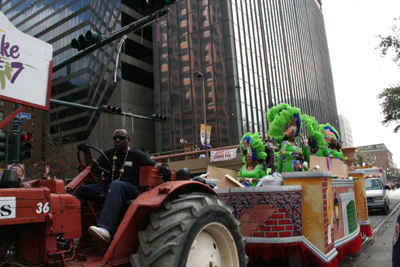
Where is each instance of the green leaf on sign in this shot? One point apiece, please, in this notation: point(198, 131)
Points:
point(8, 70)
point(2, 80)
point(6, 73)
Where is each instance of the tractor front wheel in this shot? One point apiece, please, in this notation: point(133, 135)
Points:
point(193, 230)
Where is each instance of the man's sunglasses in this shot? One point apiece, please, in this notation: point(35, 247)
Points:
point(115, 137)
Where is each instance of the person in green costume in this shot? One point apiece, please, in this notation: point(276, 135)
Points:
point(316, 143)
point(285, 125)
point(335, 150)
point(331, 140)
point(252, 152)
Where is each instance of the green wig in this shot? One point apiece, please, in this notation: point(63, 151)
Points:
point(252, 144)
point(313, 129)
point(281, 119)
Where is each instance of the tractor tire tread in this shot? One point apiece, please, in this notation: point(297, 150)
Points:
point(161, 244)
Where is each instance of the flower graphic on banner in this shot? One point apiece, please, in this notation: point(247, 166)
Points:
point(9, 52)
point(5, 72)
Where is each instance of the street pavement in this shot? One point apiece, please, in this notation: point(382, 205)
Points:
point(378, 251)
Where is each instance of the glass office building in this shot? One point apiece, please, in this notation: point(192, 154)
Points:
point(98, 78)
point(253, 55)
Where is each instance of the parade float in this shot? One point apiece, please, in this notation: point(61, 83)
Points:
point(315, 217)
point(320, 212)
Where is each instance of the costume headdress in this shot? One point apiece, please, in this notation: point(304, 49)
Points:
point(252, 144)
point(313, 128)
point(329, 133)
point(283, 119)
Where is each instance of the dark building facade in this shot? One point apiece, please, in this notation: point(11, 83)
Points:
point(98, 78)
point(252, 54)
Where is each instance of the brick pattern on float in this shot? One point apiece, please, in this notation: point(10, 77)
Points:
point(278, 225)
point(285, 222)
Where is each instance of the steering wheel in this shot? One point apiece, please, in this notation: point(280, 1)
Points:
point(88, 157)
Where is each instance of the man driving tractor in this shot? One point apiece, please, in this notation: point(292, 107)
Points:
point(120, 185)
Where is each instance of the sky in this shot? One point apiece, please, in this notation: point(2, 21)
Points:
point(359, 72)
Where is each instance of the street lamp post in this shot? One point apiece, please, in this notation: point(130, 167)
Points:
point(198, 74)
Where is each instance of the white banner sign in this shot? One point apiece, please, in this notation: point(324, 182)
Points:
point(25, 67)
point(7, 207)
point(222, 155)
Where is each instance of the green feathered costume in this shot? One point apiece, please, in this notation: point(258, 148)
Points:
point(283, 118)
point(316, 140)
point(330, 133)
point(252, 144)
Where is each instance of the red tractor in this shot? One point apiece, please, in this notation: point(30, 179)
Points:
point(175, 223)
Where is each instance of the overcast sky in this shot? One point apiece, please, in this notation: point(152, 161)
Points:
point(359, 72)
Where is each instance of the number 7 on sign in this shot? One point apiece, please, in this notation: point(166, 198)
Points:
point(19, 66)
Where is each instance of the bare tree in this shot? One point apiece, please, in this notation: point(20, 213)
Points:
point(361, 157)
point(54, 155)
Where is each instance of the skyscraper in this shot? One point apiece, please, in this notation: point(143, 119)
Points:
point(253, 55)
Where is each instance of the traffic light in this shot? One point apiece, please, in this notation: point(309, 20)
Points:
point(3, 146)
point(156, 117)
point(110, 109)
point(24, 145)
point(150, 6)
point(86, 40)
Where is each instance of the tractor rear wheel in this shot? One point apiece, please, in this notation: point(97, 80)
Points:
point(193, 230)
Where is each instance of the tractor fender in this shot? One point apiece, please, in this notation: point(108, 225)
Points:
point(169, 190)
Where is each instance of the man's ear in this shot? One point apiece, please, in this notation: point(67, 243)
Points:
point(129, 139)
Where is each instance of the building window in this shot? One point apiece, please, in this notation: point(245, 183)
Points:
point(33, 121)
point(1, 115)
point(1, 102)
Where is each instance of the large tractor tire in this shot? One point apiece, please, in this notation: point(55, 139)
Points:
point(193, 230)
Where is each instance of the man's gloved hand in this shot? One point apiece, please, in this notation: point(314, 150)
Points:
point(165, 172)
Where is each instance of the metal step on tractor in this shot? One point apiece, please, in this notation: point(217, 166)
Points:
point(174, 223)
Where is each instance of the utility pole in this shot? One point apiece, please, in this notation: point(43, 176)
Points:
point(198, 74)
